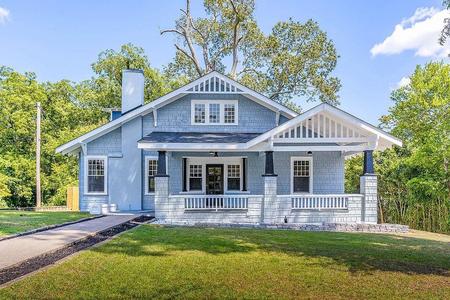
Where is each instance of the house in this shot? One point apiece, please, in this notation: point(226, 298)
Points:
point(217, 151)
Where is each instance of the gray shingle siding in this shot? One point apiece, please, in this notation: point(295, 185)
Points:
point(176, 116)
point(328, 171)
point(109, 143)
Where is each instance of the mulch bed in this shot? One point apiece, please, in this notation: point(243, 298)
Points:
point(38, 262)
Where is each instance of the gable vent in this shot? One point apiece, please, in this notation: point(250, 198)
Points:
point(214, 84)
point(322, 127)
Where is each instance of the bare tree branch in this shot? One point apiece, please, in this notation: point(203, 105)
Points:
point(171, 31)
point(186, 33)
point(204, 45)
point(235, 41)
point(185, 53)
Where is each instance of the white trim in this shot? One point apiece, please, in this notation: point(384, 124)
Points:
point(225, 177)
point(174, 95)
point(362, 124)
point(267, 135)
point(311, 173)
point(386, 140)
point(221, 103)
point(188, 176)
point(267, 102)
point(203, 161)
point(183, 195)
point(324, 107)
point(86, 166)
point(155, 117)
point(263, 146)
point(192, 146)
point(358, 148)
point(146, 159)
point(322, 140)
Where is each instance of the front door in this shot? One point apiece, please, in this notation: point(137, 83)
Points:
point(214, 179)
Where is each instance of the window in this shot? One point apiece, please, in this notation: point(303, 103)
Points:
point(234, 177)
point(214, 113)
point(200, 113)
point(195, 177)
point(301, 175)
point(96, 175)
point(152, 167)
point(229, 113)
point(217, 112)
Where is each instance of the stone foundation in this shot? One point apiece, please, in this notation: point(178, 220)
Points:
point(336, 227)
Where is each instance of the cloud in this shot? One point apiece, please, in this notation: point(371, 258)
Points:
point(4, 15)
point(419, 33)
point(403, 82)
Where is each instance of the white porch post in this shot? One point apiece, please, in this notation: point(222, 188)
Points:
point(368, 187)
point(161, 188)
point(269, 209)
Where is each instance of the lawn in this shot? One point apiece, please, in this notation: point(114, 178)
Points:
point(166, 263)
point(13, 221)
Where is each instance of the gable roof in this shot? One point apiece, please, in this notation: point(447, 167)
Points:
point(213, 82)
point(322, 128)
point(384, 139)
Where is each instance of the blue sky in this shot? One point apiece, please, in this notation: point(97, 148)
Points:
point(380, 42)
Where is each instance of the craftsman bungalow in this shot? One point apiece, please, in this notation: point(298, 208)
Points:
point(217, 151)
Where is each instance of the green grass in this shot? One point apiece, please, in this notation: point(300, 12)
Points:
point(12, 221)
point(166, 263)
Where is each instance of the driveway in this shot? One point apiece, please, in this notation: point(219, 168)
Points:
point(19, 249)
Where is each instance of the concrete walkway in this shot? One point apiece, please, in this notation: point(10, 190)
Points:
point(18, 249)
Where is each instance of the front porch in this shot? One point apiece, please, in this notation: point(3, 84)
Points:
point(293, 173)
point(257, 209)
point(260, 188)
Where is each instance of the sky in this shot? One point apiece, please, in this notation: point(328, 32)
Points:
point(379, 42)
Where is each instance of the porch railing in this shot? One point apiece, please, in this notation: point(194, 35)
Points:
point(215, 202)
point(306, 202)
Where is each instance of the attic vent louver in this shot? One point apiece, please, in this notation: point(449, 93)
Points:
point(214, 84)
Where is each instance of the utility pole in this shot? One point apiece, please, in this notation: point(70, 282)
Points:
point(38, 154)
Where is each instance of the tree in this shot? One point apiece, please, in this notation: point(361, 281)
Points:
point(105, 89)
point(414, 181)
point(69, 110)
point(295, 59)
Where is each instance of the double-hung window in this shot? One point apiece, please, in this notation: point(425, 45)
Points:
point(234, 178)
point(229, 113)
point(199, 113)
point(195, 177)
point(214, 112)
point(151, 169)
point(96, 168)
point(301, 170)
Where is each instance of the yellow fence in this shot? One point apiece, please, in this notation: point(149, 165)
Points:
point(72, 198)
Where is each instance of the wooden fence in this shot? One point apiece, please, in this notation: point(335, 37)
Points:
point(73, 198)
